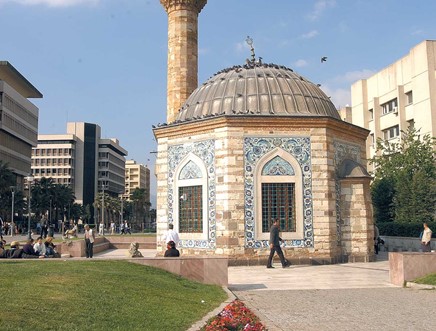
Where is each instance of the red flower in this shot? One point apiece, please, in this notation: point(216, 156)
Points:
point(235, 317)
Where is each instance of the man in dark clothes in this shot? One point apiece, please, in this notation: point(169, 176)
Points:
point(172, 251)
point(274, 244)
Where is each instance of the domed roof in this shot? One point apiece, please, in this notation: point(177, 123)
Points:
point(257, 89)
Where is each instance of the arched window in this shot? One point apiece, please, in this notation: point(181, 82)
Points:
point(279, 195)
point(190, 188)
point(190, 199)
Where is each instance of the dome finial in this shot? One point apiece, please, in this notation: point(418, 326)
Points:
point(249, 42)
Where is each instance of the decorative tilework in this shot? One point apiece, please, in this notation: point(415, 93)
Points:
point(205, 150)
point(278, 167)
point(342, 151)
point(254, 149)
point(190, 171)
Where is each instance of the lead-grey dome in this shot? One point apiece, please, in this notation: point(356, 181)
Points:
point(257, 89)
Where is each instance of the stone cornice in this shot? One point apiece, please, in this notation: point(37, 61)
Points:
point(194, 5)
point(251, 122)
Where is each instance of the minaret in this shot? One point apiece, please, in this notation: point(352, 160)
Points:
point(182, 52)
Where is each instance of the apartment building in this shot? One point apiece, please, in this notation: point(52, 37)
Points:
point(18, 120)
point(137, 176)
point(400, 96)
point(81, 159)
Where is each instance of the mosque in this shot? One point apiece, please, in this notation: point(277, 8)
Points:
point(257, 142)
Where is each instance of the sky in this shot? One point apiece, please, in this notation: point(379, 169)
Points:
point(105, 61)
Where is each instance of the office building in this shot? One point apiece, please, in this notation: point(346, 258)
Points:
point(81, 159)
point(18, 120)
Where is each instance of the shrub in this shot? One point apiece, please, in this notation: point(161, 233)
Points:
point(396, 229)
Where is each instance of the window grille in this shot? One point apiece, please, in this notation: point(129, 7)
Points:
point(278, 202)
point(190, 209)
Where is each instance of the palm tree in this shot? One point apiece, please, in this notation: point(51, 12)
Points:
point(42, 197)
point(139, 205)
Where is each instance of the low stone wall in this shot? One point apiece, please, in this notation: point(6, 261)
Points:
point(204, 269)
point(407, 266)
point(403, 244)
point(76, 248)
point(123, 242)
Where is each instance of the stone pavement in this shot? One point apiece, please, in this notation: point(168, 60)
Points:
point(352, 296)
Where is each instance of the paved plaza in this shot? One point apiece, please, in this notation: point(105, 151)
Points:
point(353, 296)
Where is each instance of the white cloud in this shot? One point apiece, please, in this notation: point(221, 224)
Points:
point(300, 63)
point(319, 8)
point(241, 47)
point(353, 76)
point(310, 34)
point(338, 95)
point(52, 3)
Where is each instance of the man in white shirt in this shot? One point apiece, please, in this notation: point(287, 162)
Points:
point(171, 235)
point(89, 241)
point(426, 239)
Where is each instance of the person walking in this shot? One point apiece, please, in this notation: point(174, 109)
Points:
point(89, 241)
point(127, 228)
point(426, 239)
point(376, 239)
point(101, 229)
point(274, 244)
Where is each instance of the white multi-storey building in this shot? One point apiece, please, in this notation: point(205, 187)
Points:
point(18, 121)
point(400, 96)
point(81, 159)
point(137, 176)
point(111, 166)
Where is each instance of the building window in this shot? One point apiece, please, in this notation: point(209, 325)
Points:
point(191, 209)
point(409, 98)
point(391, 133)
point(371, 114)
point(390, 106)
point(372, 139)
point(411, 124)
point(278, 202)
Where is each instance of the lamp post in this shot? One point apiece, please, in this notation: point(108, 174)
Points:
point(102, 207)
point(29, 182)
point(13, 205)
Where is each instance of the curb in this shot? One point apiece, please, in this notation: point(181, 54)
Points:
point(198, 325)
point(420, 286)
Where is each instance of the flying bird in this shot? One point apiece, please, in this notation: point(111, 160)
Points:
point(323, 59)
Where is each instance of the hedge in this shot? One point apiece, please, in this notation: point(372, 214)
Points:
point(395, 229)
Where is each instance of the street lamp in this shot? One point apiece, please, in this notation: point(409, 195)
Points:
point(29, 182)
point(13, 204)
point(102, 208)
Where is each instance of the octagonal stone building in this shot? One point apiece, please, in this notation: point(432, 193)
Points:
point(254, 143)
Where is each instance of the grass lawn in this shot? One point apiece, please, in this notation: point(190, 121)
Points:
point(428, 280)
point(100, 295)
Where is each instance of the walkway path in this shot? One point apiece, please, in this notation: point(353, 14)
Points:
point(354, 296)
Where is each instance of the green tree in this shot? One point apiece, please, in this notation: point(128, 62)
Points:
point(140, 204)
point(7, 182)
point(409, 171)
point(382, 193)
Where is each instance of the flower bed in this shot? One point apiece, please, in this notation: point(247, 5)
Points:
point(235, 316)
